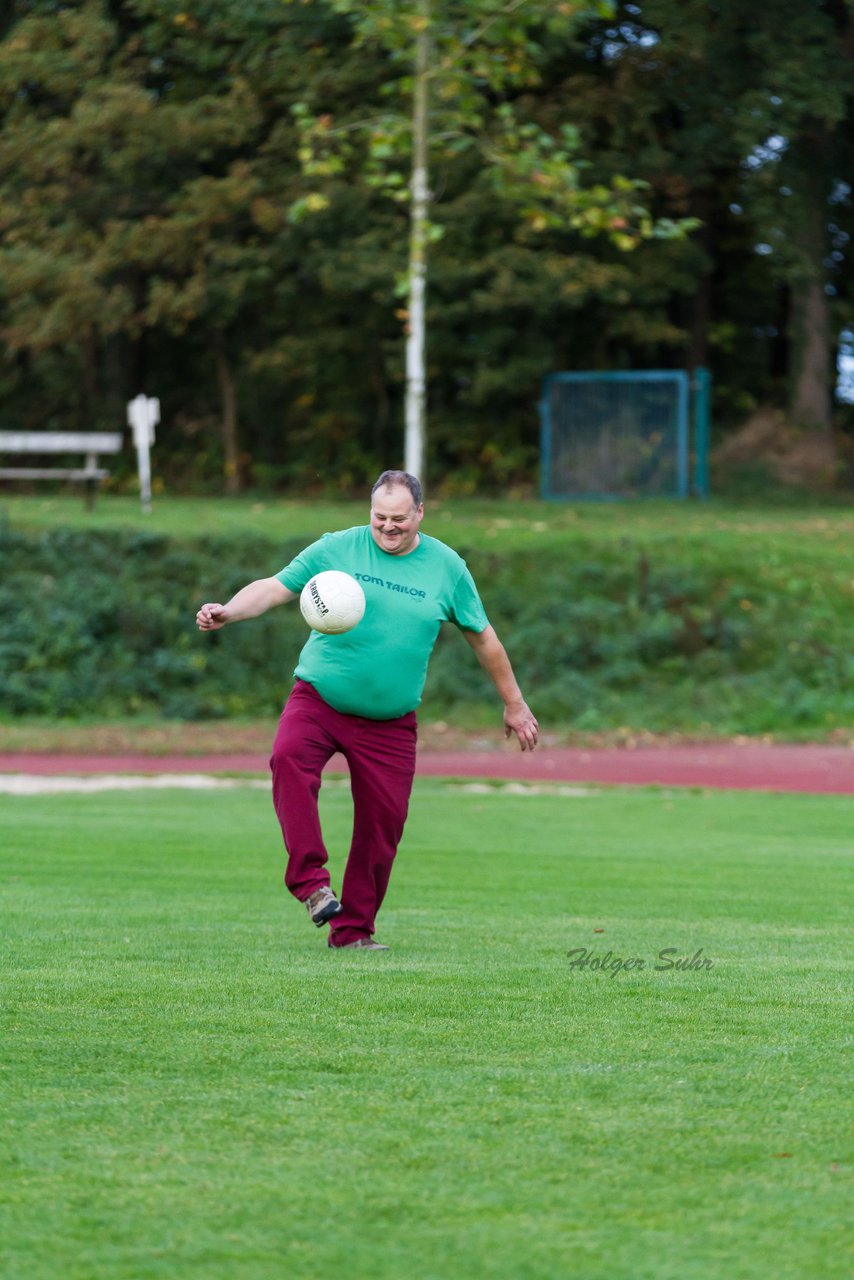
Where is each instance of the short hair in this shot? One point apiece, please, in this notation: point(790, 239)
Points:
point(389, 479)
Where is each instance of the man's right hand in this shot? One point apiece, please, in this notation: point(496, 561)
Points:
point(211, 617)
point(250, 602)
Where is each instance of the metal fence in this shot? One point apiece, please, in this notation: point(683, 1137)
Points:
point(625, 435)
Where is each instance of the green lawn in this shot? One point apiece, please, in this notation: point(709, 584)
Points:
point(195, 1086)
point(814, 533)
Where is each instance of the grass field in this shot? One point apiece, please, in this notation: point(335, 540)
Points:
point(807, 535)
point(195, 1086)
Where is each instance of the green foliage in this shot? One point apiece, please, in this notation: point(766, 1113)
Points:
point(742, 119)
point(161, 227)
point(622, 636)
point(107, 623)
point(602, 634)
point(485, 63)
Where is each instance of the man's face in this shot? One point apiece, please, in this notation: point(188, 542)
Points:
point(395, 520)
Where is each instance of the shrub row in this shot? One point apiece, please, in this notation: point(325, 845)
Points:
point(102, 624)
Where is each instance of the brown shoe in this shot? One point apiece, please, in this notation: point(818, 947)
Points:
point(322, 905)
point(367, 944)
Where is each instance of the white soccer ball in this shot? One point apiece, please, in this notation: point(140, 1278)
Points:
point(332, 602)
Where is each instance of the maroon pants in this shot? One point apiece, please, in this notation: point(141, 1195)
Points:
point(381, 756)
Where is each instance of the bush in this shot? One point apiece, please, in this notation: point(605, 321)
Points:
point(104, 625)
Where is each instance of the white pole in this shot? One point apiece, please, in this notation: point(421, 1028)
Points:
point(143, 462)
point(143, 415)
point(416, 383)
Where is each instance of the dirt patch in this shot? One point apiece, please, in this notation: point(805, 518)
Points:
point(789, 456)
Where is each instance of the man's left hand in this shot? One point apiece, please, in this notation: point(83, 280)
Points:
point(519, 719)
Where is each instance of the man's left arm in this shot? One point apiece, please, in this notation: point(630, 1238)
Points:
point(492, 656)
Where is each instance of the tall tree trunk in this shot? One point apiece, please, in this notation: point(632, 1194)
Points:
point(416, 382)
point(810, 364)
point(812, 349)
point(228, 396)
point(810, 378)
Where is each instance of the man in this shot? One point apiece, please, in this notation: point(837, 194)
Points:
point(356, 693)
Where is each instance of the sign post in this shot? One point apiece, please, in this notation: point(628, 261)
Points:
point(143, 416)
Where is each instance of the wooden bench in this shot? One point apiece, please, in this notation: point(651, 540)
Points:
point(90, 443)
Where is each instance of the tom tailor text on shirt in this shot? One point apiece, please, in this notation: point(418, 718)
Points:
point(391, 586)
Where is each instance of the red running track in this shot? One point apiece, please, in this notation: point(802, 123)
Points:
point(746, 765)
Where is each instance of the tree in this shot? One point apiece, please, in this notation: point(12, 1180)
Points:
point(225, 195)
point(796, 175)
point(739, 117)
point(136, 199)
point(470, 65)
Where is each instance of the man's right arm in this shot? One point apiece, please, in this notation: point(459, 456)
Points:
point(250, 602)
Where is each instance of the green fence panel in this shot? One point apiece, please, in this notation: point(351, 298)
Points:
point(624, 435)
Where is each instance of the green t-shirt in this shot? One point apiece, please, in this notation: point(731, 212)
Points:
point(379, 668)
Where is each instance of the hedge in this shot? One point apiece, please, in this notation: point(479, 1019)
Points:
point(102, 624)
